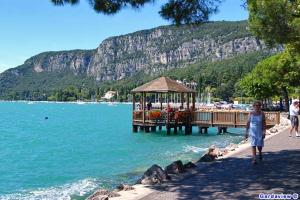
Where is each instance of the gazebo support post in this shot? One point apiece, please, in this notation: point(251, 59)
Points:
point(160, 100)
point(134, 127)
point(194, 101)
point(188, 101)
point(168, 115)
point(143, 107)
point(133, 101)
point(188, 127)
point(182, 99)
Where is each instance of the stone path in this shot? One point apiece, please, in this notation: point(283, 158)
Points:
point(236, 178)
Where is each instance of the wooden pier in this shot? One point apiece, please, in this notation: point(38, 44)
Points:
point(147, 119)
point(201, 118)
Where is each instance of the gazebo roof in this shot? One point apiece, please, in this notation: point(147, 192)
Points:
point(162, 84)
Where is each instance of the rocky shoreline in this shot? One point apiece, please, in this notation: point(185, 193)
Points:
point(156, 175)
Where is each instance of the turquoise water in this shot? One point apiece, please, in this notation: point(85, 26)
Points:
point(82, 147)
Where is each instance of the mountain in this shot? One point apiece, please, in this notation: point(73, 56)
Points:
point(151, 52)
point(220, 76)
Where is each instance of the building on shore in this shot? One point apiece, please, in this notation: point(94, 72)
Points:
point(109, 95)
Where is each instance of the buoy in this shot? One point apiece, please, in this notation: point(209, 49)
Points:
point(46, 117)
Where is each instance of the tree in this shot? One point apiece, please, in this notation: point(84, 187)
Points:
point(276, 22)
point(177, 11)
point(256, 85)
point(189, 11)
point(273, 76)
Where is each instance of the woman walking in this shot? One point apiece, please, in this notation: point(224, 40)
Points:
point(294, 111)
point(256, 129)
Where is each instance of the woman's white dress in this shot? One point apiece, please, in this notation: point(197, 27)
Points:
point(256, 130)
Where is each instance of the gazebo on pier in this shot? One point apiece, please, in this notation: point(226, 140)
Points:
point(173, 108)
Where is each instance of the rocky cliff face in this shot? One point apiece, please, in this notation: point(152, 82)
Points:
point(152, 51)
point(75, 61)
point(120, 57)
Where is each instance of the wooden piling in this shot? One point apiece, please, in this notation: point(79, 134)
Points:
point(147, 129)
point(180, 128)
point(168, 129)
point(219, 130)
point(153, 128)
point(134, 128)
point(188, 129)
point(222, 130)
point(200, 129)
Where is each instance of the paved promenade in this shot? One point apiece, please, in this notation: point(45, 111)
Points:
point(236, 178)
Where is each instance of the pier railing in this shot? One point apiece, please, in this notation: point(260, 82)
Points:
point(229, 118)
point(204, 118)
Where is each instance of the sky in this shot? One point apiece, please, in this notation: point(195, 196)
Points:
point(29, 27)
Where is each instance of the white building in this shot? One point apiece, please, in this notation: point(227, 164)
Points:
point(109, 94)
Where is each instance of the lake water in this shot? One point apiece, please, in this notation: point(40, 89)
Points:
point(65, 150)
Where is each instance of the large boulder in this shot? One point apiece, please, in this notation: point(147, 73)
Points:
point(154, 175)
point(206, 158)
point(175, 168)
point(124, 187)
point(189, 165)
point(102, 194)
point(210, 155)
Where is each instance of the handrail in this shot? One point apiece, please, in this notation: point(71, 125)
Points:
point(204, 117)
point(230, 118)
